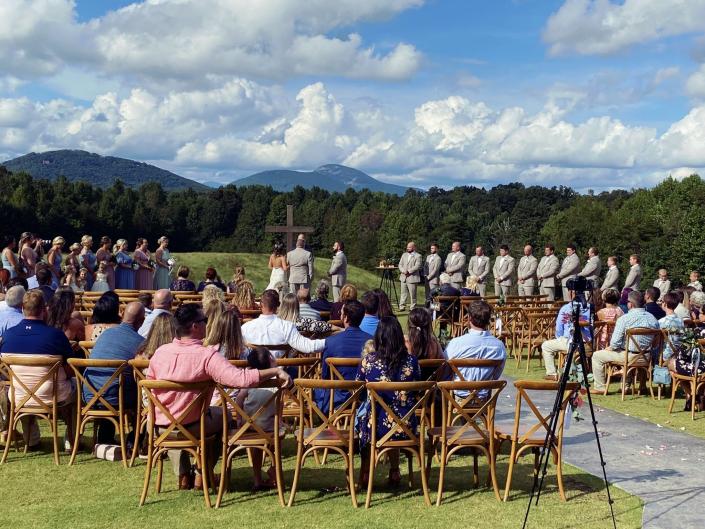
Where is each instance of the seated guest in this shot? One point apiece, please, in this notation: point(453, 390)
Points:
point(697, 300)
point(610, 312)
point(238, 277)
point(624, 299)
point(61, 314)
point(212, 309)
point(106, 314)
point(347, 293)
point(384, 306)
point(33, 336)
point(446, 289)
point(305, 309)
point(44, 277)
point(371, 304)
point(389, 362)
point(182, 283)
point(681, 310)
point(671, 324)
point(635, 317)
point(162, 304)
point(118, 343)
point(147, 301)
point(470, 288)
point(420, 340)
point(211, 292)
point(244, 298)
point(651, 297)
point(478, 343)
point(186, 359)
point(289, 311)
point(251, 400)
point(269, 329)
point(346, 344)
point(226, 333)
point(211, 278)
point(564, 335)
point(321, 303)
point(15, 281)
point(163, 331)
point(12, 314)
point(695, 280)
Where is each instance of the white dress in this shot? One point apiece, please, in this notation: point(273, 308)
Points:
point(278, 275)
point(101, 283)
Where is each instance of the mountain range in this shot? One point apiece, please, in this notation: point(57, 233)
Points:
point(102, 171)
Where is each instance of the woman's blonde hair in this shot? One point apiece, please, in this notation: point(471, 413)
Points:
point(210, 293)
point(289, 308)
point(212, 309)
point(118, 244)
point(244, 297)
point(226, 333)
point(86, 239)
point(163, 331)
point(471, 282)
point(238, 275)
point(348, 292)
point(162, 239)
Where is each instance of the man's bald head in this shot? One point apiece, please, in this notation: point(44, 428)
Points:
point(162, 299)
point(134, 314)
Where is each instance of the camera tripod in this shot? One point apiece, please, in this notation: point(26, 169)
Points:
point(578, 345)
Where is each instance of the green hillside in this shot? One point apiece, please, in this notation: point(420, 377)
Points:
point(256, 268)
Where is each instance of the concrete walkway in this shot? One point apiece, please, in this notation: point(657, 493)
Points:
point(665, 468)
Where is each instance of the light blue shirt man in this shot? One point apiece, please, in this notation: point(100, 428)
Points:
point(480, 344)
point(148, 320)
point(9, 317)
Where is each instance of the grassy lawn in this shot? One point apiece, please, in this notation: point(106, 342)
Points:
point(641, 406)
point(95, 493)
point(257, 271)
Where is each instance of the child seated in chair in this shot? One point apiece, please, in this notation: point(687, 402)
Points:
point(251, 400)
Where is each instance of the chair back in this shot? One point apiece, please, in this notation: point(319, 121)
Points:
point(418, 391)
point(478, 418)
point(457, 364)
point(278, 350)
point(87, 347)
point(97, 404)
point(437, 368)
point(34, 381)
point(448, 309)
point(644, 343)
point(249, 425)
point(334, 365)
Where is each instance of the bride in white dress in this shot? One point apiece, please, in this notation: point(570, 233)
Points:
point(278, 266)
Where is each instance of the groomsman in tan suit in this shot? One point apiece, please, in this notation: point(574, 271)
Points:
point(663, 283)
point(409, 275)
point(455, 263)
point(546, 272)
point(592, 269)
point(612, 277)
point(300, 266)
point(526, 272)
point(480, 267)
point(338, 271)
point(503, 271)
point(634, 276)
point(432, 270)
point(569, 268)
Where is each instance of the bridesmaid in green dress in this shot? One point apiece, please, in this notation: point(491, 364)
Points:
point(161, 257)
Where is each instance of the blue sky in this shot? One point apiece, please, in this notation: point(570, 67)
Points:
point(589, 93)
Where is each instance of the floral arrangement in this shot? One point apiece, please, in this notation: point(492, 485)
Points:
point(172, 264)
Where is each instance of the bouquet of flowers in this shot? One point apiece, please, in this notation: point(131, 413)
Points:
point(135, 266)
point(172, 264)
point(152, 264)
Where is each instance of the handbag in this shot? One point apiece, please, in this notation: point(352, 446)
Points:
point(661, 375)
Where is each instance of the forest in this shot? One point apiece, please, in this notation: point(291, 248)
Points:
point(664, 224)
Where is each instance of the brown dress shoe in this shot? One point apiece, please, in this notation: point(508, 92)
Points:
point(185, 482)
point(554, 378)
point(198, 482)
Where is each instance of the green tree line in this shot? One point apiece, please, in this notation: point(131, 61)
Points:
point(663, 224)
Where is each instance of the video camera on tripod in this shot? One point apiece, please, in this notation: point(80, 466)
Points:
point(581, 285)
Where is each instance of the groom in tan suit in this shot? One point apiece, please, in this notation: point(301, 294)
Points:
point(503, 271)
point(300, 266)
point(526, 272)
point(409, 275)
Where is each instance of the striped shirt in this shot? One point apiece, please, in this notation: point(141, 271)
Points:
point(305, 311)
point(636, 317)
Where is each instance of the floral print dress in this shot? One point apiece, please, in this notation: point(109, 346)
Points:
point(372, 369)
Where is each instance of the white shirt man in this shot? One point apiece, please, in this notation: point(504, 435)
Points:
point(612, 277)
point(270, 329)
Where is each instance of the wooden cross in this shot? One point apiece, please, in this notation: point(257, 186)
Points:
point(289, 229)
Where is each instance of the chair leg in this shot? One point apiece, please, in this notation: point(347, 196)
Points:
point(559, 475)
point(693, 391)
point(492, 461)
point(410, 465)
point(136, 445)
point(371, 477)
point(424, 481)
point(297, 472)
point(225, 479)
point(147, 473)
point(55, 437)
point(10, 434)
point(512, 457)
point(441, 477)
point(349, 460)
point(76, 439)
point(160, 472)
point(674, 387)
point(123, 441)
point(205, 475)
point(475, 474)
point(278, 473)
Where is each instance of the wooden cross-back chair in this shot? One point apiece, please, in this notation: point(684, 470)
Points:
point(176, 435)
point(505, 324)
point(528, 432)
point(589, 345)
point(447, 313)
point(456, 366)
point(305, 367)
point(248, 435)
point(334, 373)
point(98, 408)
point(463, 323)
point(277, 350)
point(692, 382)
point(329, 434)
point(476, 429)
point(600, 328)
point(639, 364)
point(538, 328)
point(139, 367)
point(31, 404)
point(86, 316)
point(414, 445)
point(86, 346)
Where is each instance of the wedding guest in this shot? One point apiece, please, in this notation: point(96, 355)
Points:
point(695, 280)
point(347, 293)
point(370, 303)
point(144, 276)
point(162, 304)
point(54, 259)
point(610, 312)
point(10, 261)
point(147, 299)
point(61, 315)
point(88, 260)
point(321, 303)
point(211, 292)
point(101, 279)
point(305, 309)
point(161, 258)
point(11, 315)
point(105, 256)
point(43, 277)
point(124, 272)
point(69, 279)
point(651, 297)
point(289, 311)
point(244, 298)
point(697, 300)
point(671, 324)
point(211, 278)
point(238, 277)
point(213, 308)
point(72, 258)
point(226, 334)
point(163, 331)
point(28, 253)
point(384, 307)
point(106, 314)
point(681, 310)
point(182, 283)
point(420, 340)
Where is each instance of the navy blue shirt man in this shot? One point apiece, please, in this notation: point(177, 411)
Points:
point(346, 344)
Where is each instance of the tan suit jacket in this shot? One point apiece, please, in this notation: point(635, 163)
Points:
point(300, 266)
point(527, 270)
point(569, 268)
point(547, 269)
point(663, 286)
point(504, 270)
point(592, 270)
point(455, 262)
point(479, 266)
point(432, 268)
point(411, 263)
point(338, 270)
point(611, 279)
point(633, 278)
